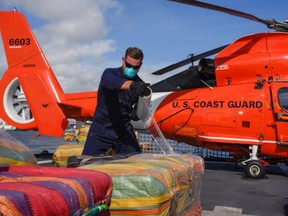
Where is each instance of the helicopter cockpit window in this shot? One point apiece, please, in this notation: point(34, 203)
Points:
point(283, 98)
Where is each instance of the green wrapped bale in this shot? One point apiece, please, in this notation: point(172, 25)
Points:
point(148, 184)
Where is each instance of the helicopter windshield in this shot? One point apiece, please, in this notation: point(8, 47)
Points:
point(283, 98)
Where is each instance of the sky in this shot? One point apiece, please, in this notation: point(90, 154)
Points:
point(80, 38)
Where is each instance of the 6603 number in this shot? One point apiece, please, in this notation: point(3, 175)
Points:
point(19, 41)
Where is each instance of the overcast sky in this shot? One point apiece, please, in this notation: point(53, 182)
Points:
point(81, 38)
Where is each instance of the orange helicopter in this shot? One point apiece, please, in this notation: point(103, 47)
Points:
point(236, 102)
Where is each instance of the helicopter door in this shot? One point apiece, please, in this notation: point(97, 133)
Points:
point(280, 101)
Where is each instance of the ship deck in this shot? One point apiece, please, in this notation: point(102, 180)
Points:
point(226, 192)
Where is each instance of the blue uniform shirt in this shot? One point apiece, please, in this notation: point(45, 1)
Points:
point(111, 116)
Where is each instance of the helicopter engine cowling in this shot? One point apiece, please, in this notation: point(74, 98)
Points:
point(206, 69)
point(253, 58)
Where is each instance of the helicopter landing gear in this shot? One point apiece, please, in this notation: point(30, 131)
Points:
point(254, 167)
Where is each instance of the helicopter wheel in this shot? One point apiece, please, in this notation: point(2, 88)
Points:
point(254, 169)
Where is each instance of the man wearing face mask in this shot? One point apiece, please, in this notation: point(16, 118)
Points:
point(118, 92)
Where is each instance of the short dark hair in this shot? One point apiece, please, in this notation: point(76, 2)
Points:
point(134, 52)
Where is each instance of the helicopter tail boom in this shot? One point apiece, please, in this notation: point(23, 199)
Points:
point(30, 95)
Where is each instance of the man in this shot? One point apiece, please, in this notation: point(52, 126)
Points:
point(118, 92)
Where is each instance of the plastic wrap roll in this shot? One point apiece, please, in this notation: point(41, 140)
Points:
point(143, 104)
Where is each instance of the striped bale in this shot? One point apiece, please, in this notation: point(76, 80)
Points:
point(149, 184)
point(81, 133)
point(34, 190)
point(63, 152)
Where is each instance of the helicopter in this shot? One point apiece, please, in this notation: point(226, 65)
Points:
point(235, 102)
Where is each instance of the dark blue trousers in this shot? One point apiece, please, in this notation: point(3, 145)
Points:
point(124, 143)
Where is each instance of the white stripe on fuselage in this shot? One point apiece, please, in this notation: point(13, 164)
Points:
point(236, 139)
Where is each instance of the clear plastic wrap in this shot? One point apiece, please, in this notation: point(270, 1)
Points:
point(13, 152)
point(149, 184)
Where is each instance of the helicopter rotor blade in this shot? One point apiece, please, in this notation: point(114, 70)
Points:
point(272, 24)
point(188, 60)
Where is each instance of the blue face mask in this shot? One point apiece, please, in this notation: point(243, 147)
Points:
point(130, 73)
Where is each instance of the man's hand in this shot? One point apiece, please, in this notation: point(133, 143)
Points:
point(139, 87)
